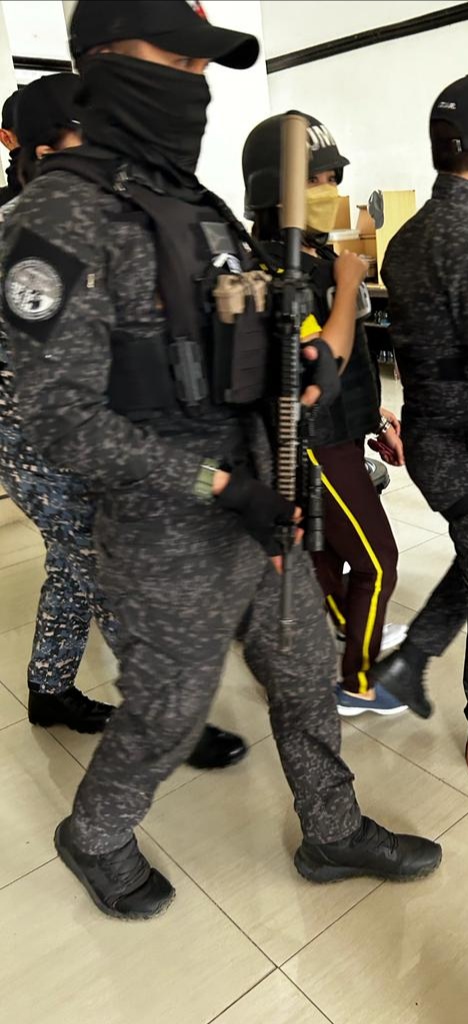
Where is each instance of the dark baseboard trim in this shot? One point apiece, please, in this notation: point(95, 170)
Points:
point(42, 64)
point(383, 34)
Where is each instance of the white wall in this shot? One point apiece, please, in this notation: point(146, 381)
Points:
point(240, 101)
point(299, 23)
point(7, 82)
point(36, 28)
point(376, 101)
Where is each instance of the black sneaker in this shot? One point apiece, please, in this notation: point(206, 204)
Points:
point(71, 707)
point(372, 850)
point(121, 883)
point(217, 749)
point(404, 680)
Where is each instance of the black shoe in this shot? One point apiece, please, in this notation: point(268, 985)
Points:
point(121, 883)
point(404, 680)
point(71, 707)
point(217, 749)
point(372, 850)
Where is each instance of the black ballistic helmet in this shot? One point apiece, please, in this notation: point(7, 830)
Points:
point(261, 159)
point(46, 106)
point(178, 26)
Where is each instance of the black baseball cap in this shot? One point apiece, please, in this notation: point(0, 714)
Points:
point(8, 112)
point(178, 26)
point(261, 159)
point(452, 107)
point(45, 106)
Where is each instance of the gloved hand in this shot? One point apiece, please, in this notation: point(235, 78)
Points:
point(261, 508)
point(322, 372)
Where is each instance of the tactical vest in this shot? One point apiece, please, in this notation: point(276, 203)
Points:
point(213, 352)
point(355, 412)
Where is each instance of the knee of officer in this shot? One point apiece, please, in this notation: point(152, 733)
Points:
point(158, 733)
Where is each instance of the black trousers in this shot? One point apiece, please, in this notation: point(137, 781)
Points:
point(179, 585)
point(437, 462)
point(356, 531)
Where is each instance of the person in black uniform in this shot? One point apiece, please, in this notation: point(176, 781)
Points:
point(9, 139)
point(426, 273)
point(110, 271)
point(357, 530)
point(59, 502)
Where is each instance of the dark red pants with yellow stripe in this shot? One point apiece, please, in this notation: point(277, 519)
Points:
point(356, 531)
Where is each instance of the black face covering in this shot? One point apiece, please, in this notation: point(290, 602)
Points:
point(143, 110)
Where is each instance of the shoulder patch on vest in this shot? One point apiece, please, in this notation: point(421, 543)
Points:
point(38, 280)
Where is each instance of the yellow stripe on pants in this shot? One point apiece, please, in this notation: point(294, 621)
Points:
point(336, 611)
point(363, 685)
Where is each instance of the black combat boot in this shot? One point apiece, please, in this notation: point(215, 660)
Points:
point(71, 707)
point(217, 749)
point(402, 674)
point(121, 883)
point(372, 850)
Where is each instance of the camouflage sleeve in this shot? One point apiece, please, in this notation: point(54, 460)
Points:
point(60, 315)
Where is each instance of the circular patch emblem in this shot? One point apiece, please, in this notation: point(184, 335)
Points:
point(33, 290)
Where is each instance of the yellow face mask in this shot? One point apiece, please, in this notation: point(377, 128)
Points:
point(322, 207)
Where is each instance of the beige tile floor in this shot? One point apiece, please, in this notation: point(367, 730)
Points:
point(247, 941)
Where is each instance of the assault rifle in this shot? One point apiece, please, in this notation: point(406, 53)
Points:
point(293, 462)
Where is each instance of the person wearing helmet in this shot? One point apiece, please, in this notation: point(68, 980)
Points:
point(426, 272)
point(9, 139)
point(59, 501)
point(120, 376)
point(357, 530)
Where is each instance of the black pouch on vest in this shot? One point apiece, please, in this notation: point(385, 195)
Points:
point(239, 358)
point(140, 380)
point(239, 340)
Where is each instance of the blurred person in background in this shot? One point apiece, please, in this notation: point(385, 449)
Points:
point(9, 139)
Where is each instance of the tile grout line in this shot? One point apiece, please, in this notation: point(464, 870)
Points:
point(450, 827)
point(304, 994)
point(408, 760)
point(210, 898)
point(38, 867)
point(239, 998)
point(379, 885)
point(437, 533)
point(12, 629)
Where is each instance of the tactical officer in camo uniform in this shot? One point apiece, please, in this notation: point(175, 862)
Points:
point(129, 375)
point(426, 273)
point(56, 500)
point(60, 503)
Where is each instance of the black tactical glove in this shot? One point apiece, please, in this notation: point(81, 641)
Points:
point(323, 372)
point(261, 509)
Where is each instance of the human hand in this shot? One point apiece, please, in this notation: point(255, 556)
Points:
point(277, 560)
point(392, 418)
point(350, 270)
point(390, 448)
point(261, 508)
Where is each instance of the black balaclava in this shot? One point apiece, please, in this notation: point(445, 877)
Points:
point(147, 111)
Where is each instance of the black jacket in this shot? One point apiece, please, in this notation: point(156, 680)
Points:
point(426, 273)
point(355, 412)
